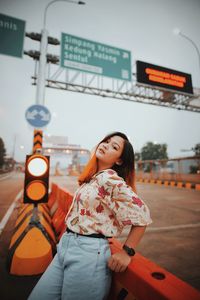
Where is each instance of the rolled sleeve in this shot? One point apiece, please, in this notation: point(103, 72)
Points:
point(129, 209)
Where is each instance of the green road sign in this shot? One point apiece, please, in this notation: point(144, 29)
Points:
point(88, 56)
point(12, 32)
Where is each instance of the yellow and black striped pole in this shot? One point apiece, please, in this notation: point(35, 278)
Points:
point(37, 140)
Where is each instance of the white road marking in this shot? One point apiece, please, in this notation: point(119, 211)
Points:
point(3, 177)
point(9, 211)
point(173, 227)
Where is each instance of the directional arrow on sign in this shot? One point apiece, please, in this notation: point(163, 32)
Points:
point(38, 116)
point(31, 115)
point(45, 116)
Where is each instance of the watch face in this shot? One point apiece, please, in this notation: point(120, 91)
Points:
point(129, 251)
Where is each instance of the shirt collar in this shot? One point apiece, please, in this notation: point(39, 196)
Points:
point(99, 172)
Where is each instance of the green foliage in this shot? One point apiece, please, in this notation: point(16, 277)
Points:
point(197, 149)
point(154, 151)
point(2, 152)
point(137, 156)
point(193, 169)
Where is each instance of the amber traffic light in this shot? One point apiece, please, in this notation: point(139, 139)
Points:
point(36, 181)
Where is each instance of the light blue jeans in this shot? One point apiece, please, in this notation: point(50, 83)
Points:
point(78, 271)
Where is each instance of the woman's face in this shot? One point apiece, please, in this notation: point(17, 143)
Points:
point(109, 152)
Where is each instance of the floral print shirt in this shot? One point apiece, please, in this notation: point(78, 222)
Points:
point(105, 205)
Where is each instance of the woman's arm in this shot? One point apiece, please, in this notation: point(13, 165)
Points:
point(135, 235)
point(118, 262)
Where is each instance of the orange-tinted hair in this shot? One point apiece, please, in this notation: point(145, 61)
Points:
point(126, 170)
point(89, 170)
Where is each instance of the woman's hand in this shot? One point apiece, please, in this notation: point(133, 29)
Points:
point(119, 261)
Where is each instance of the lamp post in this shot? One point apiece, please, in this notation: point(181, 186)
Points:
point(40, 92)
point(177, 31)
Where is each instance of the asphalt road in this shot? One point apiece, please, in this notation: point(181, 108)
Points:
point(171, 241)
point(10, 185)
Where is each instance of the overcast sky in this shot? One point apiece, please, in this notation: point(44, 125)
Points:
point(143, 27)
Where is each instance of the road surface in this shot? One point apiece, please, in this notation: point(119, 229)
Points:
point(171, 241)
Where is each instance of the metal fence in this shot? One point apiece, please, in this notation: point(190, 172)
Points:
point(186, 169)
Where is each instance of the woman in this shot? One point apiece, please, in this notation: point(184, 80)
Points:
point(105, 202)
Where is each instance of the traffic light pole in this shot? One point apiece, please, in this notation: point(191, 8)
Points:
point(40, 93)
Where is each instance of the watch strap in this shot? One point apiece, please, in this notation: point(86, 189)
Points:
point(129, 251)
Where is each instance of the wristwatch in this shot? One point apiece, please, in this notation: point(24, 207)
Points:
point(129, 251)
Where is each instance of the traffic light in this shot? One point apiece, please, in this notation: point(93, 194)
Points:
point(36, 181)
point(37, 37)
point(54, 59)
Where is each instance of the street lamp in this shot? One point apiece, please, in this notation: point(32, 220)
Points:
point(43, 52)
point(177, 31)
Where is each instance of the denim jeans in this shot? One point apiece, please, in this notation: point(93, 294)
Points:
point(78, 271)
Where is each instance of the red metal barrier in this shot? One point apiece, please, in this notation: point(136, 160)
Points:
point(53, 195)
point(144, 280)
point(64, 201)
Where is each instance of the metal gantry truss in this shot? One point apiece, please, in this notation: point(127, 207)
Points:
point(80, 82)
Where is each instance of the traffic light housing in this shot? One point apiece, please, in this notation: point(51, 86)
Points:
point(37, 37)
point(36, 182)
point(54, 59)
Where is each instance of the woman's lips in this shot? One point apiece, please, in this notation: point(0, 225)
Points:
point(101, 150)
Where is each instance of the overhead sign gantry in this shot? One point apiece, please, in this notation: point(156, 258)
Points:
point(89, 67)
point(101, 70)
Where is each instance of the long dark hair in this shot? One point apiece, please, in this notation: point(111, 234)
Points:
point(126, 170)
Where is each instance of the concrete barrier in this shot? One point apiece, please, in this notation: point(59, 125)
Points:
point(172, 183)
point(33, 243)
point(197, 187)
point(37, 230)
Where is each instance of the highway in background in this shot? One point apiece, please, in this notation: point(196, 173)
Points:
point(171, 241)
